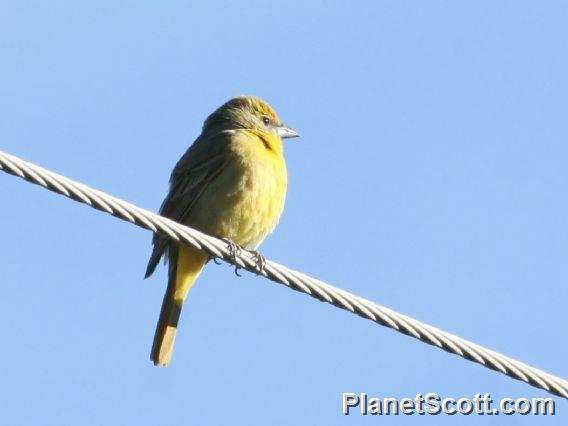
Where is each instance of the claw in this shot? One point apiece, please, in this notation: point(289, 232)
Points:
point(232, 248)
point(259, 260)
point(216, 261)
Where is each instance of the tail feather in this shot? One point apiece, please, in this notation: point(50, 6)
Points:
point(185, 265)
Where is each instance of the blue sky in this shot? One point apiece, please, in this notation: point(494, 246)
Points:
point(430, 177)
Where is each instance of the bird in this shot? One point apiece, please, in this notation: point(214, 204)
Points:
point(231, 183)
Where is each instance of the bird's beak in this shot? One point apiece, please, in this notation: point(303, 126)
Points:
point(286, 132)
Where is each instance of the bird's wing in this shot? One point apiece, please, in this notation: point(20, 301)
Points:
point(196, 169)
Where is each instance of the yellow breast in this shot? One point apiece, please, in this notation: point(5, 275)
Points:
point(245, 202)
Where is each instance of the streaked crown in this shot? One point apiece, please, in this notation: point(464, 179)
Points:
point(242, 112)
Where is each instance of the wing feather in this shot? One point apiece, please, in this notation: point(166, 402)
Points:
point(198, 167)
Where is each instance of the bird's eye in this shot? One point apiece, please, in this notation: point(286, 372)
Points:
point(266, 120)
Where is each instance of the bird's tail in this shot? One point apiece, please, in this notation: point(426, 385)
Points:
point(185, 266)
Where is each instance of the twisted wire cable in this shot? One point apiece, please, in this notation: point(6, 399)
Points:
point(320, 290)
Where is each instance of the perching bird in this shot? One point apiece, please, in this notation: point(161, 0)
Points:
point(231, 183)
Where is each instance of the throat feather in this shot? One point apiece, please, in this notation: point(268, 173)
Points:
point(265, 142)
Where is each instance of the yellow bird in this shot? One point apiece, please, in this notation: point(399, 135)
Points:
point(231, 183)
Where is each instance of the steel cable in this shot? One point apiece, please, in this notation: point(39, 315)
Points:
point(295, 280)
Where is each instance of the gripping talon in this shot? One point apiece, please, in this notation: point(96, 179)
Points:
point(259, 260)
point(232, 248)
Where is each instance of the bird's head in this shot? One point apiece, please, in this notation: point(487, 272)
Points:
point(249, 113)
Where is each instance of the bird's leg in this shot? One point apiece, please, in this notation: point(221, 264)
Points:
point(259, 260)
point(233, 250)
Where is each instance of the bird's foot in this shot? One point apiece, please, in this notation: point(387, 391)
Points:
point(233, 250)
point(259, 261)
